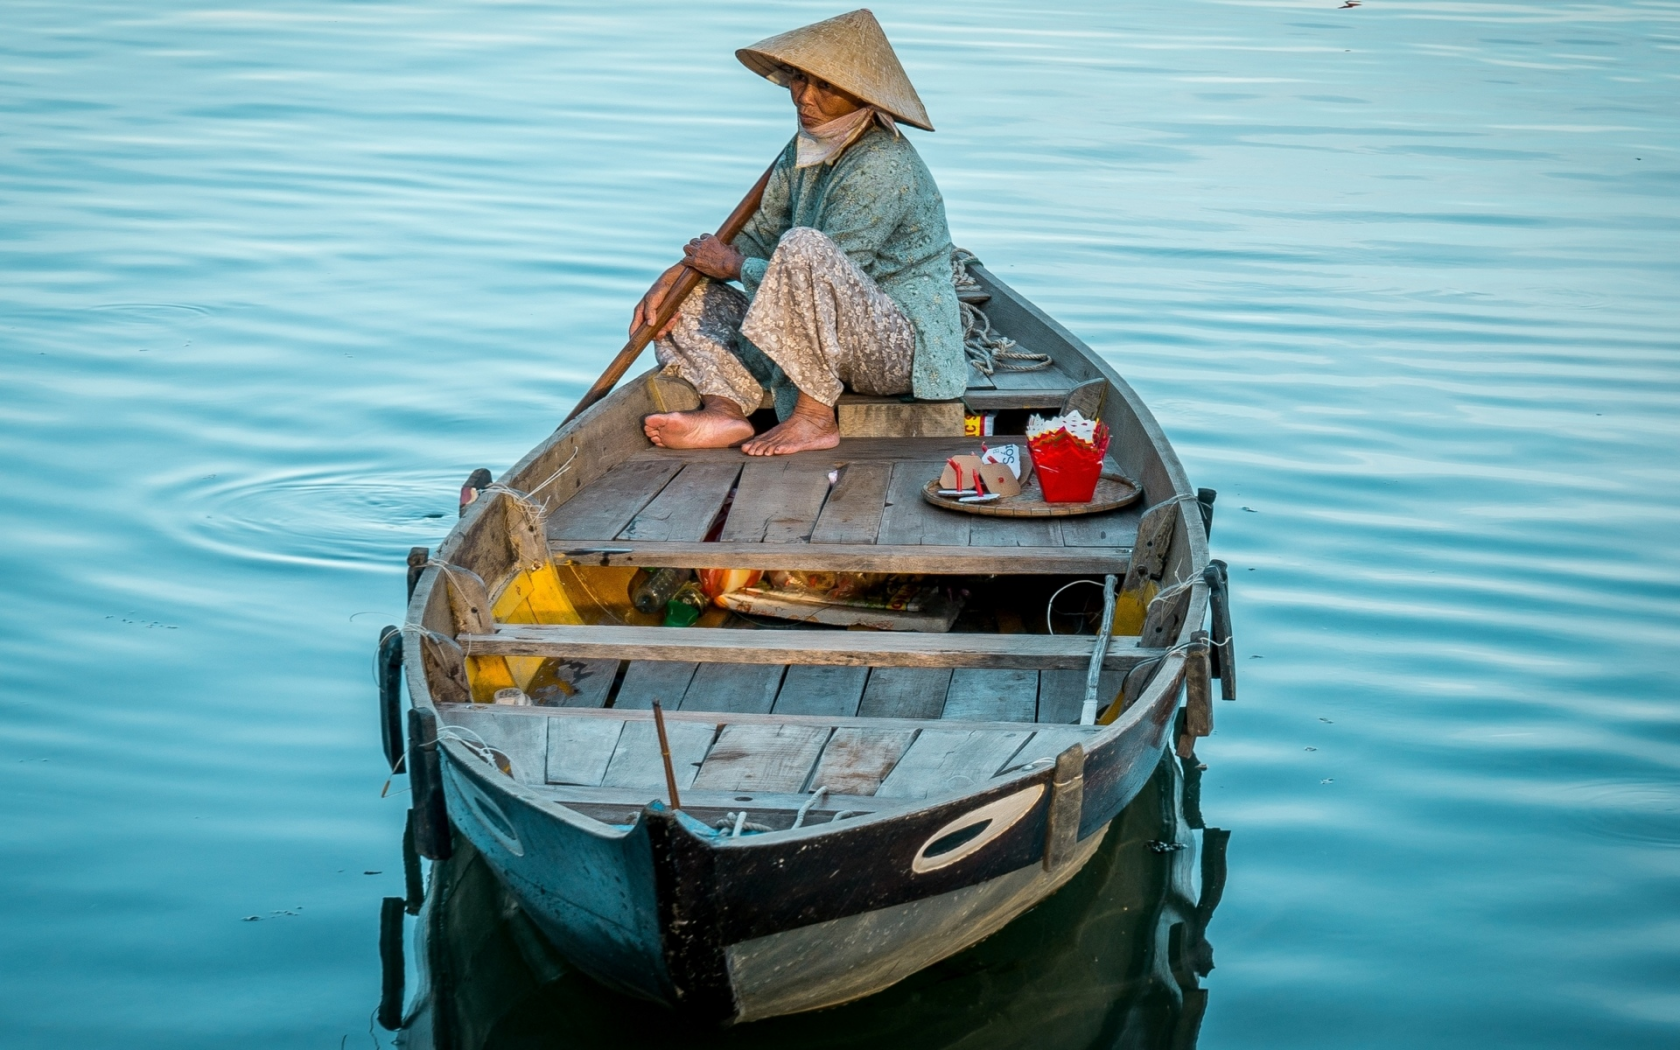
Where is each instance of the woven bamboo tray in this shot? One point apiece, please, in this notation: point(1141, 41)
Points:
point(1114, 491)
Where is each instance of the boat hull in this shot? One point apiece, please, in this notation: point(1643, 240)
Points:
point(735, 929)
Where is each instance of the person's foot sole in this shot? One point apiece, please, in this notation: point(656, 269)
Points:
point(702, 429)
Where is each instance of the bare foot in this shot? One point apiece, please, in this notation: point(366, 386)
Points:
point(810, 427)
point(719, 425)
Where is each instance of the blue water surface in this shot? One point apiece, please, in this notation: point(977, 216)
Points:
point(1400, 280)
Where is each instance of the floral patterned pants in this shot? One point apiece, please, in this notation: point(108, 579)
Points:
point(818, 324)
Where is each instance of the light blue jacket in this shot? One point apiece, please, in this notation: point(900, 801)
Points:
point(878, 202)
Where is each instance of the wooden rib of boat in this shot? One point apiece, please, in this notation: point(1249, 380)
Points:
point(855, 805)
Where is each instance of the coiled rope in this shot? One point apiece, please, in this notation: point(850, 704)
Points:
point(988, 352)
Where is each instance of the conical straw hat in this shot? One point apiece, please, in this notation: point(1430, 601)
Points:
point(850, 52)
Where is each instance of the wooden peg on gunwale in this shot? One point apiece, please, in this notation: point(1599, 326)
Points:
point(665, 755)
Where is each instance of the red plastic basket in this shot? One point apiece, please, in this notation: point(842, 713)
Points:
point(1068, 468)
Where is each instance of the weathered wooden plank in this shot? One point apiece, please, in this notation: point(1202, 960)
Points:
point(525, 745)
point(1052, 378)
point(727, 645)
point(978, 695)
point(762, 758)
point(777, 501)
point(857, 760)
point(602, 509)
point(853, 511)
point(616, 805)
point(905, 692)
point(1012, 532)
point(1117, 528)
point(912, 520)
point(1154, 542)
point(579, 750)
point(1166, 615)
point(899, 419)
point(1047, 744)
point(1198, 688)
point(1061, 693)
point(1047, 400)
point(714, 719)
point(944, 761)
point(589, 681)
point(636, 761)
point(1088, 399)
point(814, 690)
point(648, 680)
point(749, 688)
point(686, 507)
point(863, 557)
point(1067, 804)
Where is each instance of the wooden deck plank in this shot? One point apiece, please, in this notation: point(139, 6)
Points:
point(1047, 744)
point(728, 645)
point(616, 805)
point(1117, 528)
point(979, 695)
point(1012, 532)
point(905, 692)
point(945, 761)
point(1052, 378)
point(579, 750)
point(762, 758)
point(636, 761)
point(853, 511)
point(886, 556)
point(605, 506)
point(648, 680)
point(856, 760)
point(1061, 694)
point(686, 507)
point(912, 520)
point(525, 745)
point(746, 688)
point(778, 501)
point(591, 682)
point(714, 719)
point(814, 690)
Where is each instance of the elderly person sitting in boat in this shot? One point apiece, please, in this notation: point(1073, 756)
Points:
point(846, 265)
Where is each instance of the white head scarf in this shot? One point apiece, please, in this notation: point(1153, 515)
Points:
point(825, 142)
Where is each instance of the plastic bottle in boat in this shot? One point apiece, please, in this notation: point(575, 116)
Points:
point(651, 590)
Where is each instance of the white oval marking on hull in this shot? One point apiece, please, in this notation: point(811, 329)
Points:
point(992, 820)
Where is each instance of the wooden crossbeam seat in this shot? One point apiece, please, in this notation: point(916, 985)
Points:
point(606, 763)
point(854, 508)
point(828, 648)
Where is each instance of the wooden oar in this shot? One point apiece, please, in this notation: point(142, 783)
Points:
point(684, 284)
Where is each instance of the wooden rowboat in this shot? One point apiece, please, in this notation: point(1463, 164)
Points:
point(855, 805)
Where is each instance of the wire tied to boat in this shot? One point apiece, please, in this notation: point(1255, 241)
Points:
point(988, 351)
point(479, 748)
point(527, 498)
point(1050, 606)
point(1093, 674)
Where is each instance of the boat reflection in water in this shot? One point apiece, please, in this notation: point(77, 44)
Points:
point(1113, 959)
